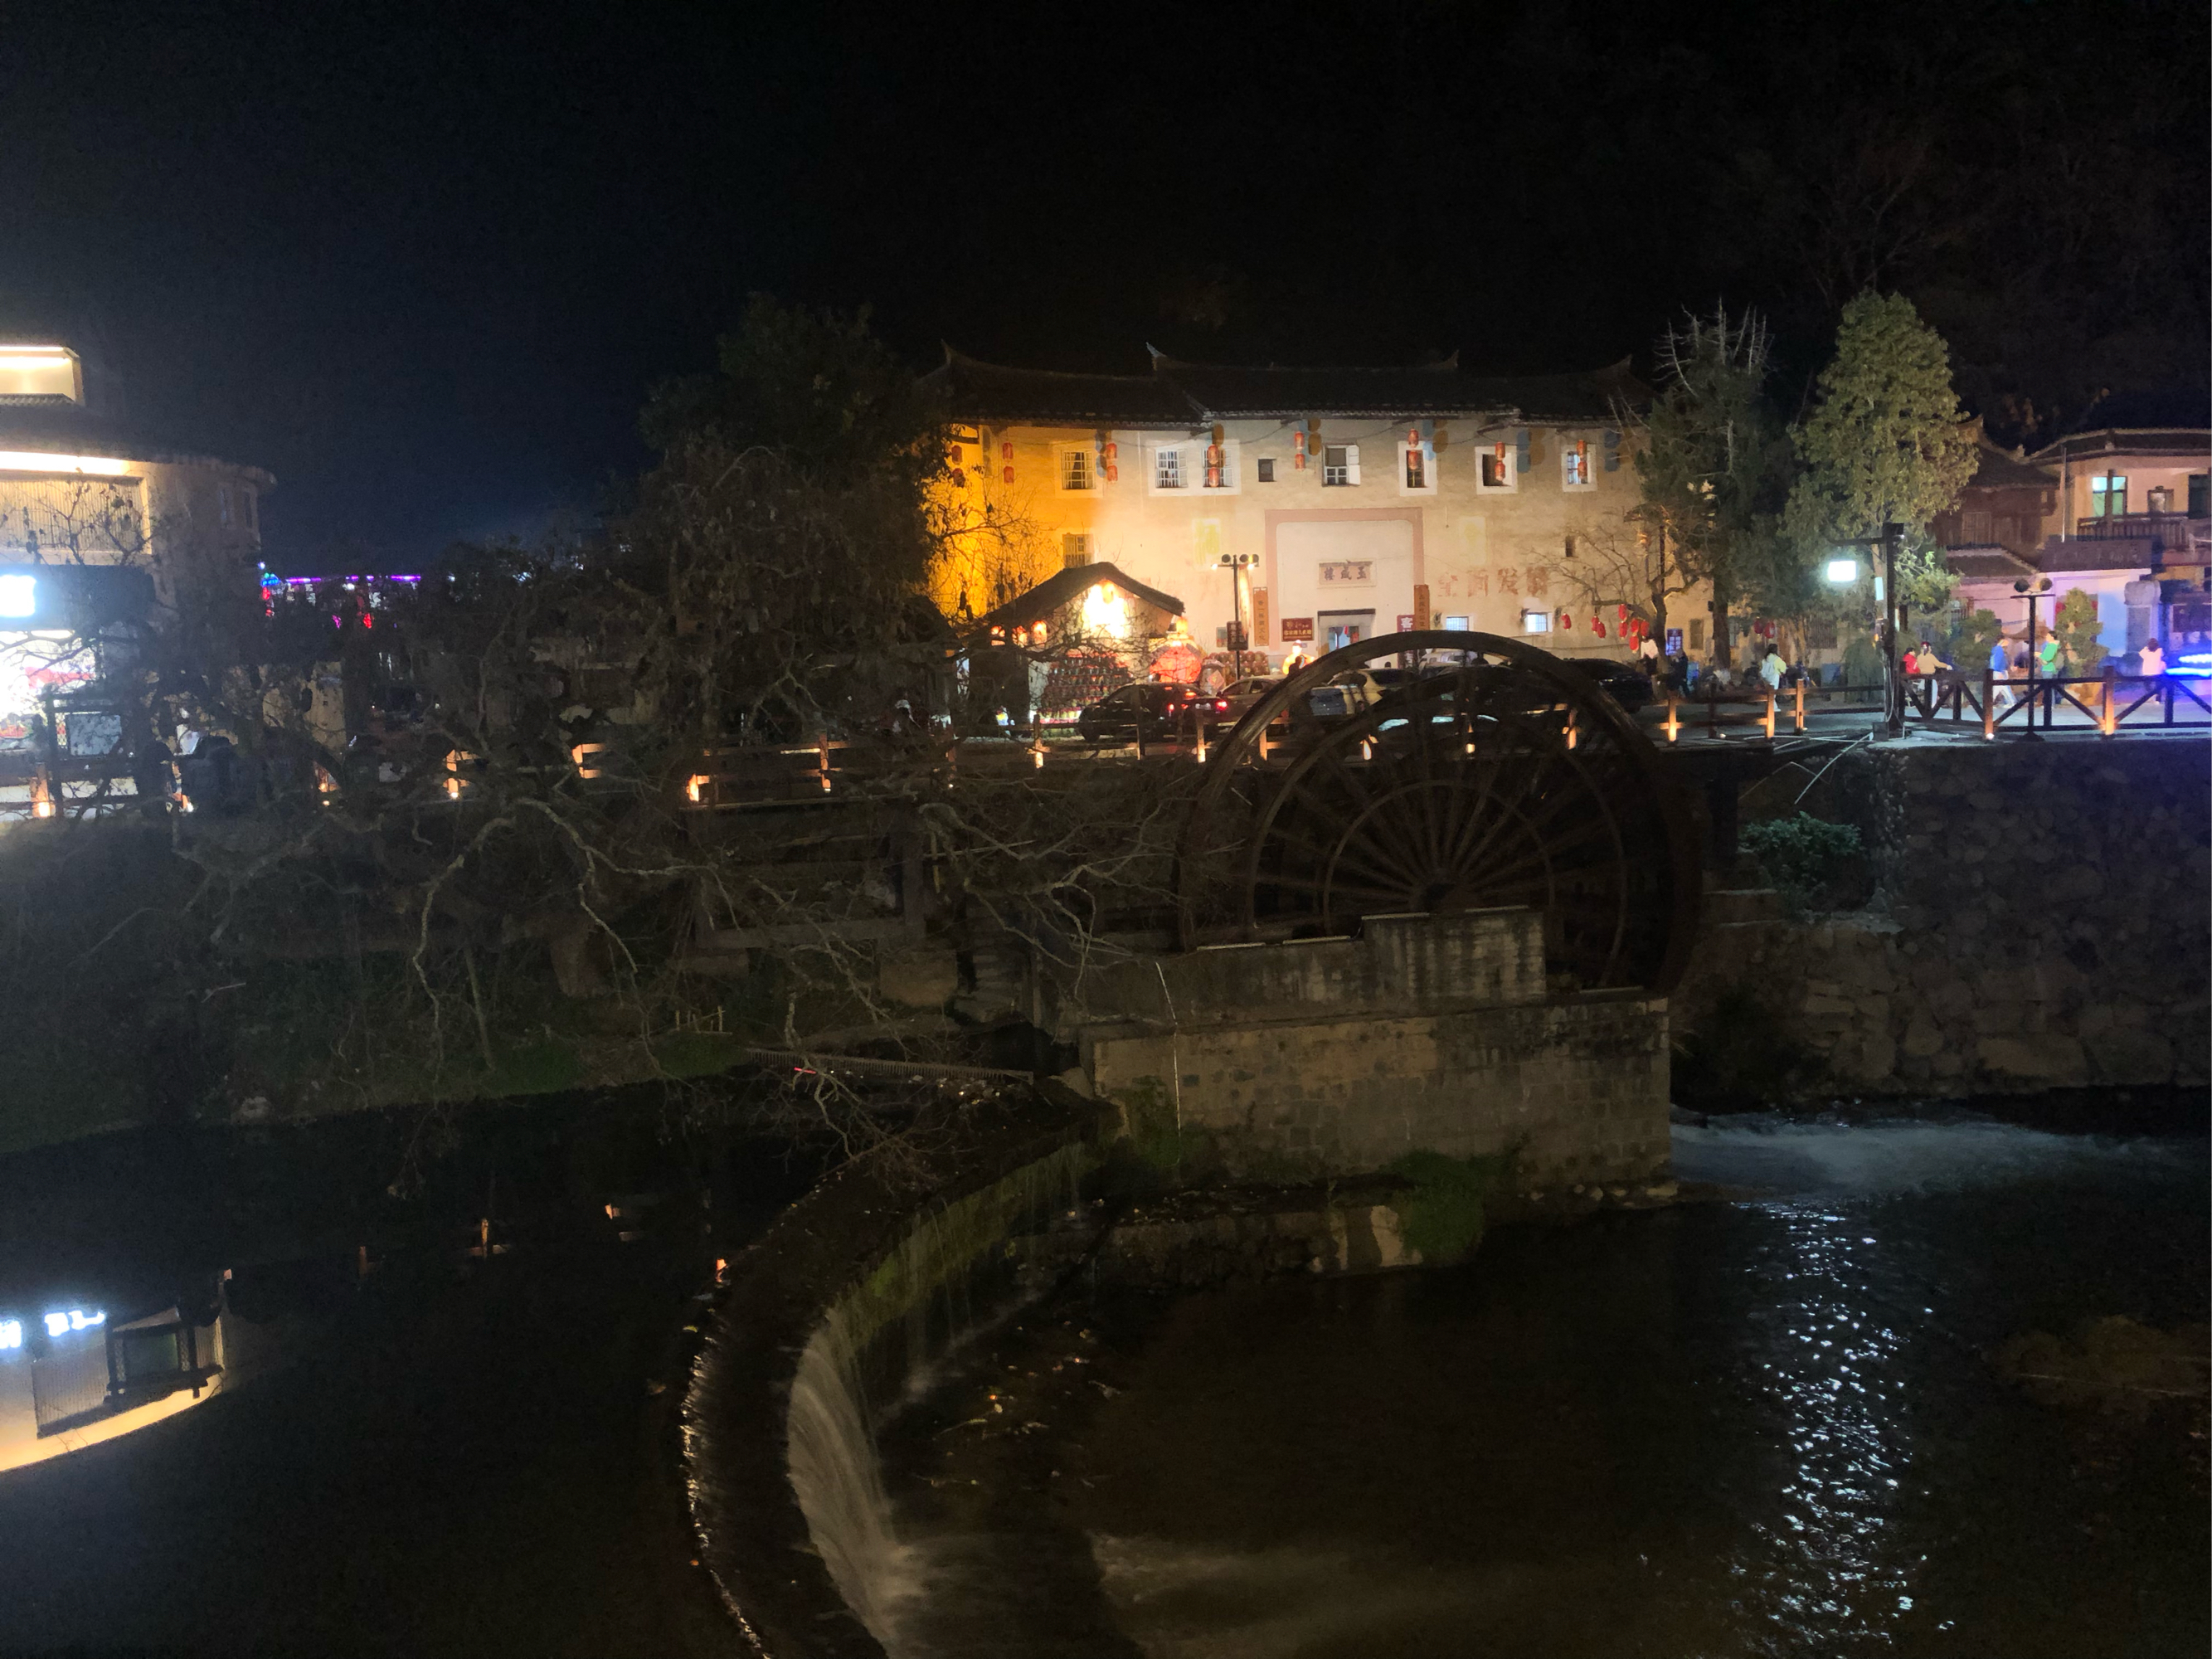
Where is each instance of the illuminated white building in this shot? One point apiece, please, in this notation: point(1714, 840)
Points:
point(99, 524)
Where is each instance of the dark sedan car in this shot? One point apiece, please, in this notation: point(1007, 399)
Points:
point(1623, 684)
point(1156, 711)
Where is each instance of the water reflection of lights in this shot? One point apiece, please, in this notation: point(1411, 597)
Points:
point(1839, 1491)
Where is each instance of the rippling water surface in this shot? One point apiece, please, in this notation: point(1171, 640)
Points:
point(1765, 1427)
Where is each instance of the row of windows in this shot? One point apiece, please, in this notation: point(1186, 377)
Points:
point(1218, 466)
point(2108, 496)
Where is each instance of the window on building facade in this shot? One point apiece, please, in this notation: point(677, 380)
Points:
point(1267, 471)
point(1697, 634)
point(2108, 495)
point(1496, 467)
point(1417, 471)
point(1167, 469)
point(1339, 465)
point(2200, 494)
point(1076, 471)
point(1074, 549)
point(1219, 464)
point(1575, 471)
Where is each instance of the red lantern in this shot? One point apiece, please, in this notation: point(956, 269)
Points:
point(1006, 449)
point(1112, 450)
point(1214, 454)
point(1010, 475)
point(1597, 626)
point(1623, 613)
point(1113, 473)
point(1566, 622)
point(1298, 444)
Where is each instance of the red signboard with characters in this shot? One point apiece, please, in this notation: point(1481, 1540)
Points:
point(1296, 627)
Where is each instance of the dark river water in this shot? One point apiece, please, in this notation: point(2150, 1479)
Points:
point(411, 1446)
point(1770, 1426)
point(1762, 1427)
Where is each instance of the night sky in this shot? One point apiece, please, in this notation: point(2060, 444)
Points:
point(423, 263)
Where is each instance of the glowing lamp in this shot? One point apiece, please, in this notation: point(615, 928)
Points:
point(1842, 572)
point(18, 596)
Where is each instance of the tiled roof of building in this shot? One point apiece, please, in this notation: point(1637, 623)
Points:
point(2096, 553)
point(2193, 443)
point(2004, 468)
point(1047, 396)
point(1984, 562)
point(1179, 394)
point(1064, 588)
point(59, 426)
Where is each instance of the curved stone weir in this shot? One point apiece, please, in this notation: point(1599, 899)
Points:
point(834, 1318)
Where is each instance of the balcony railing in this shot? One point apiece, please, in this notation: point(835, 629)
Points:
point(2168, 529)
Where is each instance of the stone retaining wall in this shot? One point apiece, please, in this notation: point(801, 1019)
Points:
point(2042, 918)
point(1336, 1057)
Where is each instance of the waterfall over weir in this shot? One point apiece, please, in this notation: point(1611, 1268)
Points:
point(835, 1318)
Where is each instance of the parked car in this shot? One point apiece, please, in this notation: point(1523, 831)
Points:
point(1353, 692)
point(1157, 710)
point(1241, 695)
point(1627, 686)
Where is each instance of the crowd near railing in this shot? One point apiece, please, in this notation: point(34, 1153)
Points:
point(2107, 701)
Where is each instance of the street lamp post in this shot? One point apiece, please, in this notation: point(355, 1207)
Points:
point(2033, 590)
point(1892, 533)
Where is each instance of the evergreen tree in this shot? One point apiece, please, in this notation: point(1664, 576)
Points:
point(1888, 440)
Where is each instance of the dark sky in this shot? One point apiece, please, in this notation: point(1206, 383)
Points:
point(424, 263)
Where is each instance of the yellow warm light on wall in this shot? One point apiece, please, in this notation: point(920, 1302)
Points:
point(25, 460)
point(1105, 612)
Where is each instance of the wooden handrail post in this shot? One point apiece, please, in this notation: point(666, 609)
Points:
point(2105, 722)
point(1801, 704)
point(1770, 712)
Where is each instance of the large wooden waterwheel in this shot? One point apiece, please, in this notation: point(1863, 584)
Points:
point(1486, 772)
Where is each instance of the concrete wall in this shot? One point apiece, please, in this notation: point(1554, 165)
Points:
point(1337, 1057)
point(2044, 918)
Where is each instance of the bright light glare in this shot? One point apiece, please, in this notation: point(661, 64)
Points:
point(1105, 612)
point(26, 460)
point(57, 1324)
point(11, 1333)
point(79, 1320)
point(18, 596)
point(1843, 570)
